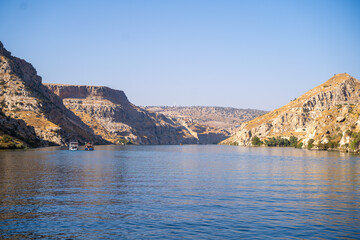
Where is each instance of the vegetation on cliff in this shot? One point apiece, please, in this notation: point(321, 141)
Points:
point(8, 142)
point(277, 142)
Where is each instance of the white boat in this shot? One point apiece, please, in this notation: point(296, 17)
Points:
point(73, 146)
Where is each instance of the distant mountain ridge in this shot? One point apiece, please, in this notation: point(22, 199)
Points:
point(226, 117)
point(209, 124)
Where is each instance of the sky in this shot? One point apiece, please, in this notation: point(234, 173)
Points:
point(246, 54)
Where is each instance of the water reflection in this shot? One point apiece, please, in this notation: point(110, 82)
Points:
point(178, 192)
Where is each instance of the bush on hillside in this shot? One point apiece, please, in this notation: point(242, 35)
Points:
point(255, 141)
point(277, 142)
point(310, 144)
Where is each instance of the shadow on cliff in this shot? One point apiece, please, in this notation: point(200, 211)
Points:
point(72, 127)
point(17, 128)
point(153, 128)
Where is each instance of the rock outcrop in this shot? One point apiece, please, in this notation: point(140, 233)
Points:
point(110, 114)
point(327, 113)
point(209, 125)
point(18, 129)
point(31, 111)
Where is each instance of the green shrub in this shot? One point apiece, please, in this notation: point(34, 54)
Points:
point(322, 146)
point(354, 144)
point(277, 142)
point(255, 141)
point(349, 133)
point(299, 145)
point(333, 144)
point(355, 136)
point(20, 146)
point(310, 144)
point(328, 145)
point(6, 139)
point(293, 141)
point(123, 141)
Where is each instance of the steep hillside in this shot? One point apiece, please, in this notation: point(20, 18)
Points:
point(208, 124)
point(324, 117)
point(15, 133)
point(109, 113)
point(29, 111)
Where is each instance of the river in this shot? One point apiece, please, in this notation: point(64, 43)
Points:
point(179, 192)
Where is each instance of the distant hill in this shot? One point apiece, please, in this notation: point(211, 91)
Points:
point(326, 117)
point(208, 124)
point(222, 117)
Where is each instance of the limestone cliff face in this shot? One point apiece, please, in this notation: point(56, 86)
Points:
point(110, 114)
point(41, 114)
point(65, 91)
point(323, 114)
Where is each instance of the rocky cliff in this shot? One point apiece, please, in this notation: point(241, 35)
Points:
point(209, 125)
point(109, 113)
point(326, 114)
point(31, 112)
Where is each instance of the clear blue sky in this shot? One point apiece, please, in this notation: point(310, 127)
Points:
point(246, 54)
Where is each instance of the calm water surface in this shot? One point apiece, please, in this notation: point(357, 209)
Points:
point(177, 192)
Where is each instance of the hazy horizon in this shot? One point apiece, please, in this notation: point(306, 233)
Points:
point(241, 54)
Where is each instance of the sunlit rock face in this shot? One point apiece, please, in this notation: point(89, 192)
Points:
point(325, 113)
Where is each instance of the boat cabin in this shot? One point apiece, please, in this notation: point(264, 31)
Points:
point(73, 146)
